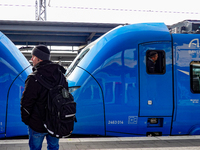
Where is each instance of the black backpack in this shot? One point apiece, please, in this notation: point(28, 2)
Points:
point(60, 109)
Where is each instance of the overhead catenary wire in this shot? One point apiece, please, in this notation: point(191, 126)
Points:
point(106, 9)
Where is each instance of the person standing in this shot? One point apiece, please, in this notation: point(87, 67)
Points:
point(34, 98)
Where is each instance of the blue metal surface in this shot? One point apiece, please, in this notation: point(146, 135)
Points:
point(187, 107)
point(13, 73)
point(90, 109)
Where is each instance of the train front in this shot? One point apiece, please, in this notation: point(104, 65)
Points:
point(14, 69)
point(104, 80)
point(100, 81)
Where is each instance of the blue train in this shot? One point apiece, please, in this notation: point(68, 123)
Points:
point(14, 69)
point(116, 95)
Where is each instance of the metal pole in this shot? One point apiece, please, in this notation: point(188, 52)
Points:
point(36, 10)
point(42, 10)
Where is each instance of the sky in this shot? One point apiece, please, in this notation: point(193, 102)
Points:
point(104, 11)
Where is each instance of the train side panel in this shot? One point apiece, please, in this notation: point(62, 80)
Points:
point(186, 72)
point(117, 75)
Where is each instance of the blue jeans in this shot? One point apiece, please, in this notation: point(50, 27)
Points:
point(36, 140)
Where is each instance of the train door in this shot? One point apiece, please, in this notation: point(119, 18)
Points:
point(156, 98)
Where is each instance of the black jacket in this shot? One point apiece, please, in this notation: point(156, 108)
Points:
point(34, 97)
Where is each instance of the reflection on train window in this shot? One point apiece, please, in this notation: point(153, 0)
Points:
point(155, 62)
point(109, 92)
point(90, 94)
point(195, 76)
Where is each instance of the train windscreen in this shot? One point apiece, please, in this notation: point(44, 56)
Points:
point(84, 52)
point(78, 59)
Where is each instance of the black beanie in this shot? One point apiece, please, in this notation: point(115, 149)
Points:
point(41, 52)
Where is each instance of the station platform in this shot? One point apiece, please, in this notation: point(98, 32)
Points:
point(111, 143)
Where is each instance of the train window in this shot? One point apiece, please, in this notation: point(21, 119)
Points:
point(79, 58)
point(155, 62)
point(76, 61)
point(195, 76)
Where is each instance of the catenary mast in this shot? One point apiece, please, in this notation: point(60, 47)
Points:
point(41, 16)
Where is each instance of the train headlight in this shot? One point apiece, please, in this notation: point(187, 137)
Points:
point(73, 88)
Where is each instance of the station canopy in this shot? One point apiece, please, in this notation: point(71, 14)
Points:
point(64, 39)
